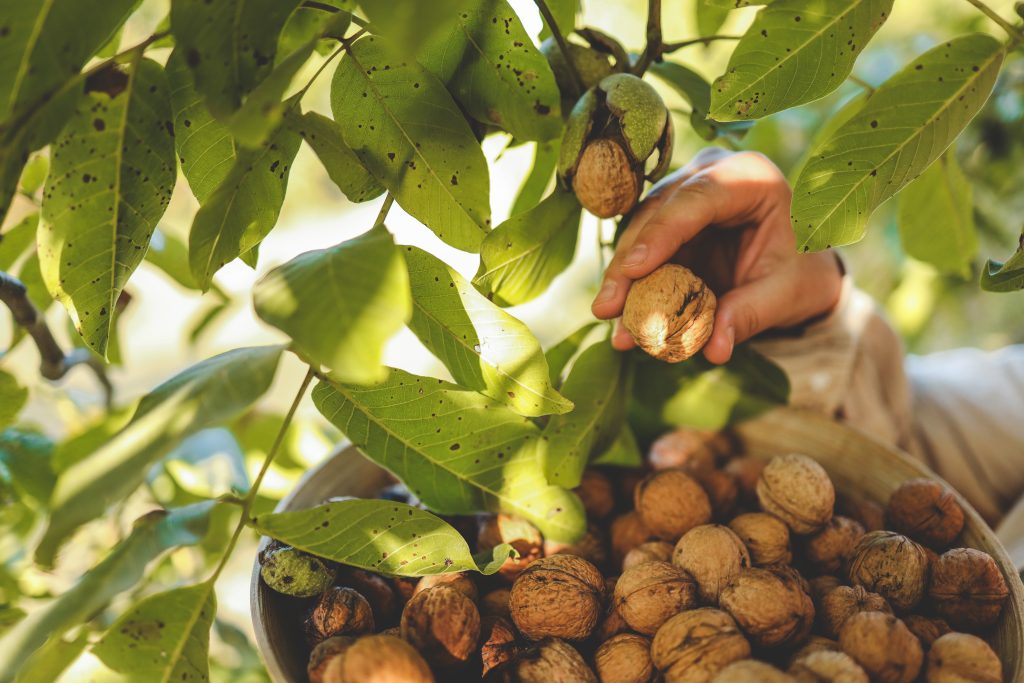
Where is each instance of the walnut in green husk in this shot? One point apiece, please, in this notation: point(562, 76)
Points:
point(295, 573)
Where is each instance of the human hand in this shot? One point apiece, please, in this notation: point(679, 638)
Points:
point(726, 216)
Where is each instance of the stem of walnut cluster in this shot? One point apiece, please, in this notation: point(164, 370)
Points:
point(653, 49)
point(1016, 34)
point(700, 40)
point(563, 46)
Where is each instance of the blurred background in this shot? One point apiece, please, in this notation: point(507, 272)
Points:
point(167, 326)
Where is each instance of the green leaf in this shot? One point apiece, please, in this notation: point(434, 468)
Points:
point(520, 258)
point(795, 52)
point(111, 179)
point(624, 451)
point(598, 385)
point(835, 120)
point(340, 305)
point(485, 348)
point(905, 126)
point(559, 355)
point(564, 12)
point(229, 46)
point(342, 165)
point(31, 276)
point(169, 254)
point(545, 159)
point(710, 16)
point(936, 217)
point(1005, 277)
point(12, 398)
point(408, 24)
point(34, 174)
point(121, 570)
point(307, 23)
point(458, 450)
point(244, 207)
point(493, 69)
point(164, 637)
point(46, 664)
point(696, 91)
point(27, 457)
point(16, 241)
point(408, 133)
point(211, 392)
point(380, 536)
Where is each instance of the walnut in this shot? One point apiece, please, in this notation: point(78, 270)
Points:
point(460, 581)
point(591, 546)
point(957, 657)
point(927, 511)
point(377, 591)
point(722, 491)
point(625, 658)
point(559, 596)
point(771, 609)
point(293, 572)
point(829, 550)
point(791, 576)
point(685, 448)
point(814, 644)
point(766, 537)
point(652, 551)
point(845, 601)
point(824, 665)
point(627, 532)
point(495, 603)
point(322, 655)
point(747, 470)
point(596, 493)
point(611, 622)
point(670, 313)
point(820, 586)
point(927, 629)
point(494, 530)
point(693, 646)
point(797, 490)
point(395, 631)
point(870, 514)
point(648, 594)
point(339, 612)
point(552, 661)
point(671, 503)
point(751, 671)
point(714, 556)
point(606, 182)
point(891, 565)
point(379, 659)
point(967, 589)
point(405, 587)
point(443, 624)
point(883, 646)
point(499, 643)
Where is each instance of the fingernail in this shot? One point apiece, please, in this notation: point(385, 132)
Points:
point(730, 334)
point(607, 291)
point(636, 255)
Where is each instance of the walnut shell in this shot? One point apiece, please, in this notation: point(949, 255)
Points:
point(870, 514)
point(591, 546)
point(797, 490)
point(967, 589)
point(460, 581)
point(596, 493)
point(722, 490)
point(627, 532)
point(685, 448)
point(625, 658)
point(714, 556)
point(559, 596)
point(824, 665)
point(883, 646)
point(339, 612)
point(820, 586)
point(891, 565)
point(443, 624)
point(927, 511)
point(405, 586)
point(499, 643)
point(747, 470)
point(927, 629)
point(845, 601)
point(693, 646)
point(814, 644)
point(766, 537)
point(379, 659)
point(493, 530)
point(651, 551)
point(959, 657)
point(553, 661)
point(671, 503)
point(495, 603)
point(751, 671)
point(829, 549)
point(648, 594)
point(321, 656)
point(611, 623)
point(670, 313)
point(606, 183)
point(377, 591)
point(771, 609)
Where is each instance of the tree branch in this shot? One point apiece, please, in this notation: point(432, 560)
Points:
point(1016, 35)
point(53, 362)
point(652, 51)
point(563, 46)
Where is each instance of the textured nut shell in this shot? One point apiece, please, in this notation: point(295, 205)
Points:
point(967, 589)
point(596, 493)
point(820, 586)
point(495, 603)
point(688, 449)
point(797, 490)
point(652, 551)
point(460, 581)
point(321, 656)
point(891, 565)
point(959, 658)
point(377, 591)
point(766, 537)
point(714, 556)
point(558, 596)
point(927, 629)
point(883, 646)
point(824, 665)
point(747, 470)
point(845, 601)
point(443, 624)
point(670, 313)
point(592, 546)
point(814, 644)
point(829, 549)
point(606, 183)
point(671, 503)
point(770, 609)
point(751, 671)
point(693, 646)
point(926, 511)
point(494, 530)
point(648, 594)
point(499, 643)
point(627, 532)
point(379, 659)
point(339, 612)
point(723, 492)
point(554, 661)
point(625, 658)
point(870, 514)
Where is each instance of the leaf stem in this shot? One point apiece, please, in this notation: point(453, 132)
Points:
point(700, 40)
point(1016, 35)
point(653, 49)
point(389, 200)
point(870, 89)
point(563, 46)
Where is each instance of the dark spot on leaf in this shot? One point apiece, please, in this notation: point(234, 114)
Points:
point(874, 124)
point(110, 80)
point(99, 124)
point(192, 58)
point(455, 181)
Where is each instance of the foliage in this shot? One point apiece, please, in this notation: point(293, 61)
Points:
point(91, 140)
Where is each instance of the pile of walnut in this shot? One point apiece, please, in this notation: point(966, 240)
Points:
point(703, 567)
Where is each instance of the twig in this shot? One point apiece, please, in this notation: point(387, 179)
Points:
point(702, 40)
point(53, 362)
point(870, 89)
point(323, 7)
point(563, 46)
point(652, 51)
point(1016, 35)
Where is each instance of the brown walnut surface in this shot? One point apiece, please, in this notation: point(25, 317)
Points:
point(714, 556)
point(670, 503)
point(751, 671)
point(627, 532)
point(927, 629)
point(825, 665)
point(499, 643)
point(766, 537)
point(648, 594)
point(379, 659)
point(559, 596)
point(651, 551)
point(339, 612)
point(891, 565)
point(829, 549)
point(596, 493)
point(842, 603)
point(797, 490)
point(625, 658)
point(771, 609)
point(967, 589)
point(927, 511)
point(962, 658)
point(883, 646)
point(554, 661)
point(606, 183)
point(443, 624)
point(321, 656)
point(670, 313)
point(693, 646)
